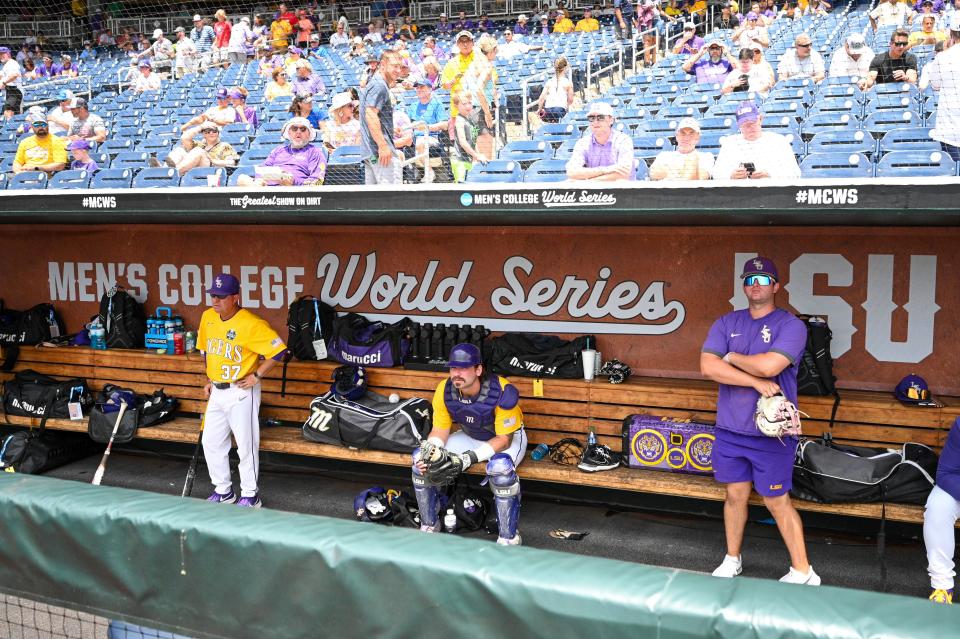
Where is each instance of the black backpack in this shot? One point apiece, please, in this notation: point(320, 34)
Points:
point(308, 320)
point(535, 355)
point(815, 373)
point(39, 324)
point(123, 319)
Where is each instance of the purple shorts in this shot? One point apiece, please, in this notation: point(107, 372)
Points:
point(765, 461)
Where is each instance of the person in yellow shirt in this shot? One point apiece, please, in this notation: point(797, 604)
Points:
point(41, 151)
point(486, 408)
point(280, 30)
point(454, 76)
point(563, 23)
point(927, 34)
point(238, 349)
point(588, 23)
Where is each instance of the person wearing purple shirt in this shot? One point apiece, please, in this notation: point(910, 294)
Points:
point(938, 6)
point(462, 24)
point(709, 64)
point(248, 114)
point(301, 163)
point(521, 27)
point(751, 353)
point(444, 25)
point(81, 156)
point(306, 81)
point(602, 154)
point(940, 517)
point(485, 24)
point(48, 69)
point(689, 43)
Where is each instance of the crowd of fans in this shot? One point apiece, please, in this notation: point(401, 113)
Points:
point(393, 136)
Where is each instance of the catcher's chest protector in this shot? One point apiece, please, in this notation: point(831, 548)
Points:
point(475, 414)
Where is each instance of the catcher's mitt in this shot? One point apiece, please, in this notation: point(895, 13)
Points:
point(777, 416)
point(443, 467)
point(567, 451)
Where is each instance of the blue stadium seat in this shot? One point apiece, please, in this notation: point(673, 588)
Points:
point(660, 126)
point(829, 121)
point(848, 141)
point(198, 176)
point(555, 133)
point(238, 127)
point(495, 171)
point(678, 111)
point(796, 110)
point(710, 140)
point(112, 147)
point(908, 139)
point(848, 91)
point(28, 180)
point(70, 179)
point(526, 152)
point(249, 171)
point(564, 151)
point(112, 179)
point(239, 141)
point(345, 165)
point(727, 124)
point(130, 160)
point(546, 171)
point(837, 164)
point(916, 163)
point(255, 156)
point(880, 122)
point(156, 178)
point(158, 145)
point(642, 170)
point(836, 105)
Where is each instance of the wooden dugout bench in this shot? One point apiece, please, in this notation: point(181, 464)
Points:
point(568, 408)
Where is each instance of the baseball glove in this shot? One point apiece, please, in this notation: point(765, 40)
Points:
point(443, 467)
point(777, 416)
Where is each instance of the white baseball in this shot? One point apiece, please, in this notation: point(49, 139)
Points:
point(394, 398)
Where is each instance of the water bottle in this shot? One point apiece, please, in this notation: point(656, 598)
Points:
point(190, 341)
point(450, 521)
point(168, 326)
point(98, 337)
point(591, 438)
point(539, 452)
point(171, 344)
point(178, 346)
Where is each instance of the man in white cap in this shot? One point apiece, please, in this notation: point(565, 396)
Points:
point(61, 118)
point(11, 80)
point(201, 146)
point(689, 43)
point(160, 52)
point(942, 75)
point(203, 36)
point(240, 36)
point(455, 70)
point(686, 163)
point(602, 154)
point(521, 27)
point(340, 38)
point(185, 54)
point(147, 80)
point(801, 61)
point(444, 26)
point(754, 153)
point(852, 59)
point(298, 162)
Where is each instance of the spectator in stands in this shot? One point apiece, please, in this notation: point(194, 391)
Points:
point(556, 97)
point(747, 77)
point(61, 118)
point(428, 118)
point(761, 67)
point(513, 47)
point(340, 37)
point(816, 8)
point(147, 80)
point(894, 65)
point(942, 75)
point(950, 9)
point(279, 87)
point(358, 49)
point(376, 120)
point(342, 128)
point(431, 48)
point(41, 151)
point(801, 61)
point(302, 106)
point(203, 36)
point(686, 163)
point(261, 37)
point(48, 69)
point(563, 24)
point(306, 81)
point(303, 28)
point(927, 34)
point(429, 71)
point(754, 153)
point(544, 26)
point(587, 23)
point(712, 63)
point(67, 67)
point(81, 156)
point(373, 35)
point(408, 28)
point(106, 39)
point(86, 126)
point(602, 154)
point(769, 10)
point(391, 35)
point(645, 20)
point(185, 54)
point(373, 64)
point(222, 113)
point(280, 30)
point(456, 68)
point(240, 37)
point(201, 146)
point(28, 70)
point(520, 28)
point(23, 54)
point(245, 113)
point(750, 32)
point(443, 26)
point(287, 16)
point(462, 24)
point(221, 29)
point(891, 13)
point(10, 80)
point(465, 131)
point(852, 59)
point(160, 53)
point(298, 162)
point(689, 43)
point(623, 19)
point(485, 24)
point(291, 61)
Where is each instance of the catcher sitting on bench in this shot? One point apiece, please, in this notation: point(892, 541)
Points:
point(491, 431)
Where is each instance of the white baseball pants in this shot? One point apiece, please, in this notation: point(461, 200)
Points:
point(233, 410)
point(939, 518)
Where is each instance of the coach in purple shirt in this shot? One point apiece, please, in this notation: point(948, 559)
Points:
point(303, 163)
point(751, 353)
point(711, 64)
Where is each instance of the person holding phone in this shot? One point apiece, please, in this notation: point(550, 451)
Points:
point(754, 153)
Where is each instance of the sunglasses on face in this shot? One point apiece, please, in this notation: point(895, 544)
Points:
point(298, 128)
point(899, 44)
point(762, 280)
point(208, 131)
point(39, 125)
point(804, 46)
point(596, 118)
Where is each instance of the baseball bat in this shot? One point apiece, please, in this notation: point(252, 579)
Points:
point(98, 476)
point(192, 470)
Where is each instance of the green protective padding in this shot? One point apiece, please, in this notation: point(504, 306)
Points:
point(222, 571)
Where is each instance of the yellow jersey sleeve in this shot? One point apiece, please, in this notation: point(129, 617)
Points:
point(507, 420)
point(233, 347)
point(441, 416)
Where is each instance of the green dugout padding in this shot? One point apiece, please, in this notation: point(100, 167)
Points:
point(222, 571)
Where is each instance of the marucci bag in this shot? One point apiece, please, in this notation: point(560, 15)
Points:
point(37, 451)
point(147, 410)
point(309, 320)
point(33, 394)
point(535, 355)
point(34, 326)
point(831, 473)
point(123, 319)
point(815, 372)
point(372, 421)
point(356, 340)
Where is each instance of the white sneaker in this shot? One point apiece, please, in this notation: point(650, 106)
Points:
point(516, 541)
point(809, 578)
point(729, 568)
point(428, 529)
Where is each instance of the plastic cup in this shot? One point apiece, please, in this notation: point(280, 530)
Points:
point(589, 357)
point(213, 180)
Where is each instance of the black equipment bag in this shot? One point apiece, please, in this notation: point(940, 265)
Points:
point(536, 355)
point(361, 342)
point(372, 421)
point(123, 319)
point(308, 320)
point(37, 451)
point(33, 394)
point(815, 372)
point(831, 473)
point(34, 326)
point(146, 410)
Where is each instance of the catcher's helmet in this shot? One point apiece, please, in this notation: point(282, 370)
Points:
point(373, 505)
point(464, 356)
point(349, 382)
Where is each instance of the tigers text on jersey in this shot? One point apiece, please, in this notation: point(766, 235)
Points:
point(233, 347)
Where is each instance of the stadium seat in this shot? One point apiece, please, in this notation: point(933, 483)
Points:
point(198, 176)
point(829, 121)
point(879, 122)
point(546, 171)
point(112, 179)
point(156, 178)
point(130, 160)
point(3, 181)
point(69, 180)
point(249, 171)
point(28, 180)
point(526, 152)
point(726, 124)
point(555, 133)
point(255, 156)
point(115, 146)
point(345, 165)
point(916, 163)
point(678, 111)
point(908, 139)
point(837, 164)
point(495, 171)
point(848, 141)
point(660, 126)
point(564, 151)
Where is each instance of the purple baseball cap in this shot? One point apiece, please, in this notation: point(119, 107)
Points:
point(747, 111)
point(145, 64)
point(222, 93)
point(751, 16)
point(4, 50)
point(79, 145)
point(760, 266)
point(224, 284)
point(912, 389)
point(235, 93)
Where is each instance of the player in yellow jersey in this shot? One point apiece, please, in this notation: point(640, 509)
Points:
point(491, 431)
point(239, 349)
